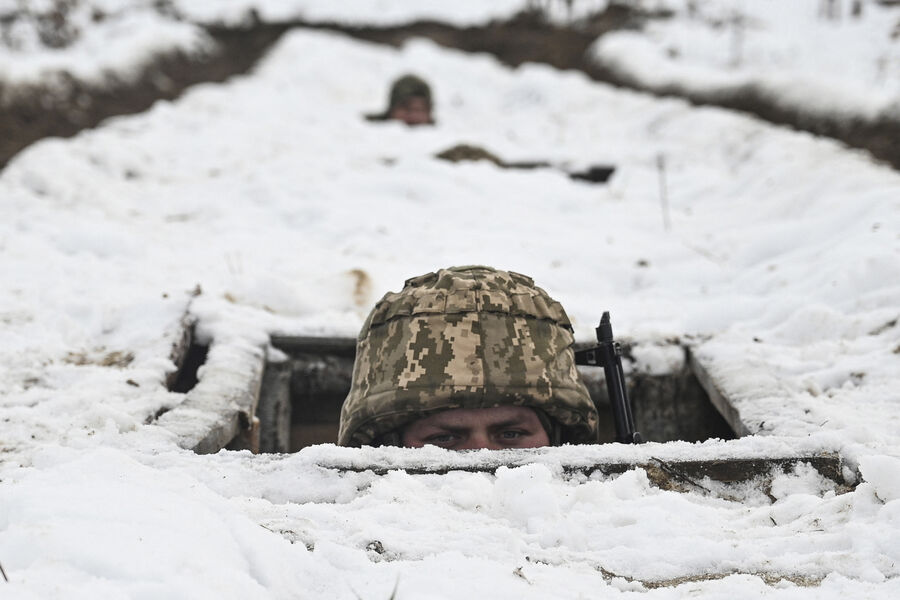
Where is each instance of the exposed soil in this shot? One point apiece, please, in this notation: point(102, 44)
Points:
point(880, 136)
point(527, 37)
point(29, 114)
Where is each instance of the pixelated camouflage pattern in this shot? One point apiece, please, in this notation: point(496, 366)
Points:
point(464, 337)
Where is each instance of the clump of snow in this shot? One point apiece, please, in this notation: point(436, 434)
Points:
point(657, 359)
point(883, 474)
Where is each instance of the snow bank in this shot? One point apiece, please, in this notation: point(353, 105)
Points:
point(95, 50)
point(102, 522)
point(790, 56)
point(97, 41)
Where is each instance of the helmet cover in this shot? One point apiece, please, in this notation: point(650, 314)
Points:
point(465, 337)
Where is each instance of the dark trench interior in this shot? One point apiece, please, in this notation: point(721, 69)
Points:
point(301, 397)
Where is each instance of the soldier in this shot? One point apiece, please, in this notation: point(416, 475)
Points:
point(467, 357)
point(409, 101)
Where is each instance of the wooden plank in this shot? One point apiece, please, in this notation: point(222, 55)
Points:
point(274, 409)
point(716, 397)
point(335, 346)
point(221, 409)
point(180, 348)
point(678, 475)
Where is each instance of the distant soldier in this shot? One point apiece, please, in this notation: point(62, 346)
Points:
point(464, 358)
point(409, 101)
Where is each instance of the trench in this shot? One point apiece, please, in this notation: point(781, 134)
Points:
point(186, 377)
point(529, 37)
point(69, 106)
point(301, 397)
point(288, 400)
point(72, 106)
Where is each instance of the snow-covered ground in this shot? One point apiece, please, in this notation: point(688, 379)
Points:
point(100, 42)
point(95, 42)
point(378, 12)
point(846, 66)
point(292, 214)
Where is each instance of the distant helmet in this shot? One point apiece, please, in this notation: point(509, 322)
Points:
point(464, 337)
point(406, 87)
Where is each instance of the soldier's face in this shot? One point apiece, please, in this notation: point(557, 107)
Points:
point(470, 428)
point(414, 111)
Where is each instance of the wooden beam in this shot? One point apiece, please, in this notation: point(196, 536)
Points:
point(275, 409)
point(335, 346)
point(221, 408)
point(678, 475)
point(716, 397)
point(180, 348)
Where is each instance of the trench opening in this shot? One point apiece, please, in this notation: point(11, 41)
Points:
point(300, 398)
point(188, 356)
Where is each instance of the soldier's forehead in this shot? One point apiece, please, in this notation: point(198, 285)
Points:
point(467, 416)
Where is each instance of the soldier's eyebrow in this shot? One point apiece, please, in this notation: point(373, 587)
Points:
point(514, 422)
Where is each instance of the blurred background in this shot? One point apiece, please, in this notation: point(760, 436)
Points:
point(830, 67)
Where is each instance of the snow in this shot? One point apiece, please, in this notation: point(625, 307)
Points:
point(881, 472)
point(95, 53)
point(332, 534)
point(292, 214)
point(462, 13)
point(109, 41)
point(657, 359)
point(789, 52)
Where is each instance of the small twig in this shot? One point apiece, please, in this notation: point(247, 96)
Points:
point(518, 572)
point(677, 473)
point(2, 572)
point(663, 190)
point(396, 586)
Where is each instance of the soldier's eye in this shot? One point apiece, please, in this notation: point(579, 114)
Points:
point(512, 434)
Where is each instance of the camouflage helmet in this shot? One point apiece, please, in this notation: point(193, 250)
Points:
point(464, 337)
point(406, 87)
